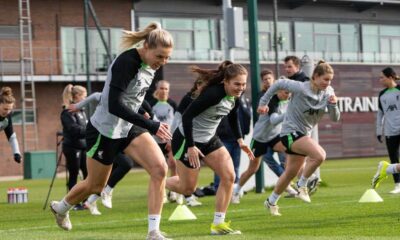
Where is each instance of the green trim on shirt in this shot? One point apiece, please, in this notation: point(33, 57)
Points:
point(231, 98)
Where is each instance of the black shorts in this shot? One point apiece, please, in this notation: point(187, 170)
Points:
point(163, 148)
point(260, 148)
point(104, 149)
point(179, 147)
point(289, 139)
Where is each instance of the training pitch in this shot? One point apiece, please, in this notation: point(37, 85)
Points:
point(333, 214)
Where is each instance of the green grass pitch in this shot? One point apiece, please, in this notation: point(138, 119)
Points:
point(333, 214)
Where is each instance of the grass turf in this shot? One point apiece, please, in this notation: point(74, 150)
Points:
point(333, 214)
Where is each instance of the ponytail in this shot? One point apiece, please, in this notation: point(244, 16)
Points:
point(67, 95)
point(389, 72)
point(196, 85)
point(70, 93)
point(6, 95)
point(152, 34)
point(226, 71)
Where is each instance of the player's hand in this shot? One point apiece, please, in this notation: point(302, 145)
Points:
point(163, 132)
point(379, 137)
point(72, 108)
point(194, 155)
point(332, 99)
point(17, 157)
point(246, 149)
point(146, 115)
point(262, 109)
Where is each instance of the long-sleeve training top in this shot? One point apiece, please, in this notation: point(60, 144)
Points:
point(183, 104)
point(202, 117)
point(164, 112)
point(74, 128)
point(389, 112)
point(268, 126)
point(306, 107)
point(95, 99)
point(128, 79)
point(7, 126)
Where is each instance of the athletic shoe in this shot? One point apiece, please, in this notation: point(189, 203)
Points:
point(223, 229)
point(156, 235)
point(380, 174)
point(62, 220)
point(106, 199)
point(79, 207)
point(192, 201)
point(93, 208)
point(172, 196)
point(273, 209)
point(303, 194)
point(291, 192)
point(396, 189)
point(312, 184)
point(235, 198)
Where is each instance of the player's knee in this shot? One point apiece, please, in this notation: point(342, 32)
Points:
point(159, 172)
point(321, 156)
point(228, 177)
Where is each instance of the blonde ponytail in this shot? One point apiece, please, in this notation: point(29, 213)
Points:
point(67, 95)
point(152, 34)
point(70, 92)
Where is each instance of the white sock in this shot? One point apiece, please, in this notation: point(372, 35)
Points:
point(237, 188)
point(302, 181)
point(273, 198)
point(108, 189)
point(219, 217)
point(62, 207)
point(92, 198)
point(154, 222)
point(391, 169)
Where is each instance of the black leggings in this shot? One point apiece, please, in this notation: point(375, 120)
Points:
point(392, 145)
point(75, 159)
point(121, 166)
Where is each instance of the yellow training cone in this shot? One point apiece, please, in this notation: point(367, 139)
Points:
point(370, 196)
point(182, 213)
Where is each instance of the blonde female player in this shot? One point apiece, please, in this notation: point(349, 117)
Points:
point(116, 126)
point(307, 106)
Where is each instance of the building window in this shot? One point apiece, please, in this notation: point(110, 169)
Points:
point(9, 32)
point(266, 41)
point(17, 117)
point(194, 39)
point(73, 49)
point(381, 43)
point(349, 42)
point(329, 41)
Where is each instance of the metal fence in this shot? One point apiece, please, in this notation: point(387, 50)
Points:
point(52, 61)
